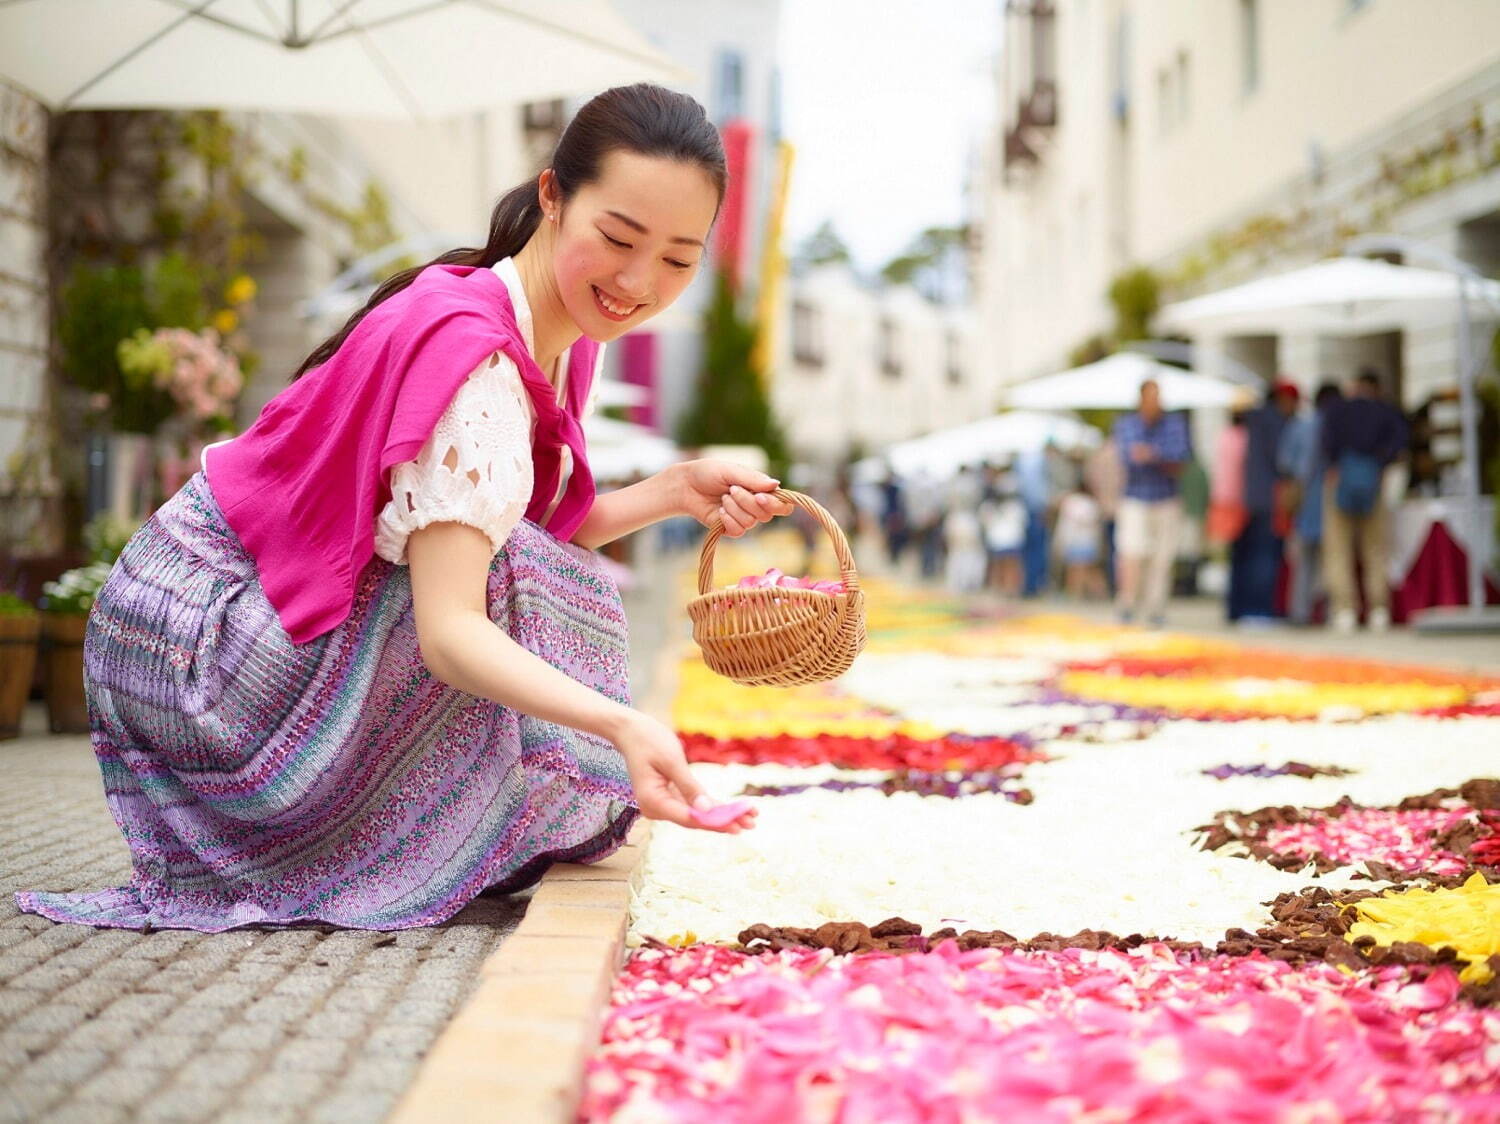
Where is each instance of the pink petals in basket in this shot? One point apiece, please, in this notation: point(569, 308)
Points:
point(775, 579)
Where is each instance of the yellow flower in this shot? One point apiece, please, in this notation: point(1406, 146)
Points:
point(1466, 919)
point(241, 290)
point(226, 320)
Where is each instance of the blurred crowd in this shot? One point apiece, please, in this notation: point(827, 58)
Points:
point(1294, 501)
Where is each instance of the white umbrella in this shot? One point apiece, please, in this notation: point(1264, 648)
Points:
point(406, 59)
point(619, 450)
point(1115, 384)
point(1341, 296)
point(944, 451)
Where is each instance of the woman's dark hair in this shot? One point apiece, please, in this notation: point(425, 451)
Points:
point(644, 119)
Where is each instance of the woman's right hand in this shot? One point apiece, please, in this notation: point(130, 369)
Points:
point(665, 788)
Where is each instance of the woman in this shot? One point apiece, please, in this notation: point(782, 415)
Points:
point(301, 703)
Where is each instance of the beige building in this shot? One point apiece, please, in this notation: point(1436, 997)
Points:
point(860, 368)
point(1218, 140)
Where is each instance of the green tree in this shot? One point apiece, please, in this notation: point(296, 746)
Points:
point(1136, 295)
point(823, 247)
point(730, 406)
point(935, 263)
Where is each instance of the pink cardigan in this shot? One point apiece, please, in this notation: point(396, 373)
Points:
point(303, 485)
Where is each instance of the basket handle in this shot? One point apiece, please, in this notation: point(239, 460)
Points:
point(830, 527)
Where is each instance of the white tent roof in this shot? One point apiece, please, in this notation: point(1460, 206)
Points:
point(1115, 384)
point(403, 59)
point(619, 450)
point(943, 452)
point(1342, 296)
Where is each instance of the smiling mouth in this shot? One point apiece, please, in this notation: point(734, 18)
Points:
point(615, 310)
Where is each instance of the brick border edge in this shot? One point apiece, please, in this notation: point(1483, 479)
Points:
point(516, 1049)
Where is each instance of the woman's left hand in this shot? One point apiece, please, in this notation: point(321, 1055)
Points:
point(722, 490)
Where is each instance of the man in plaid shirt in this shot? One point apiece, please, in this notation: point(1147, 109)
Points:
point(1154, 447)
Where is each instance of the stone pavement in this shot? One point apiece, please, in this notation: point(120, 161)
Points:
point(312, 1024)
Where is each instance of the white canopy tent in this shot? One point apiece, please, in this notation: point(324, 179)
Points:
point(389, 59)
point(620, 450)
point(1355, 296)
point(1341, 297)
point(1114, 383)
point(943, 452)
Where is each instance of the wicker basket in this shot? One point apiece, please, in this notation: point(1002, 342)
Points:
point(780, 637)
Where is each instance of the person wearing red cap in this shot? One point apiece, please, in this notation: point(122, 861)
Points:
point(1255, 558)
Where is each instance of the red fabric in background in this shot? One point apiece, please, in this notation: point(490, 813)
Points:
point(1439, 576)
point(729, 234)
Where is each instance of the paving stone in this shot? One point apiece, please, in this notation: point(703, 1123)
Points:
point(283, 1088)
point(101, 1034)
point(222, 995)
point(27, 1102)
point(219, 1068)
point(144, 1009)
point(56, 1018)
point(48, 977)
point(418, 1012)
point(91, 993)
point(261, 1037)
point(240, 1113)
point(67, 1067)
point(186, 1102)
point(378, 1074)
point(312, 1055)
point(398, 1040)
point(257, 973)
point(352, 1105)
point(14, 1004)
point(82, 1112)
point(282, 1009)
point(162, 1051)
point(197, 1021)
point(331, 1023)
point(121, 1085)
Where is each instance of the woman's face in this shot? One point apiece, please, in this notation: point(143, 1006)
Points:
point(628, 244)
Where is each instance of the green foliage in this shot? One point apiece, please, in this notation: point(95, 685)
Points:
point(98, 307)
point(176, 289)
point(731, 406)
point(1136, 295)
point(1091, 350)
point(823, 247)
point(13, 606)
point(934, 263)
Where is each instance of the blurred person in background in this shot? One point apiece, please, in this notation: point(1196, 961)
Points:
point(1003, 517)
point(1255, 557)
point(1362, 436)
point(1079, 525)
point(1300, 460)
point(1035, 487)
point(1154, 445)
point(1104, 476)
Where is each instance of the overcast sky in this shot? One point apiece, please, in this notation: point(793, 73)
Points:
point(884, 100)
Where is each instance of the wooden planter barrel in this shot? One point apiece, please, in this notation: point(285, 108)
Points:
point(62, 660)
point(18, 644)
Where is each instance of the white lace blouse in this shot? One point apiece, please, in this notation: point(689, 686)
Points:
point(476, 467)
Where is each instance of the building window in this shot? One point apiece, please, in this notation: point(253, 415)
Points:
point(890, 361)
point(955, 359)
point(807, 334)
point(1249, 46)
point(1164, 101)
point(729, 97)
point(1184, 89)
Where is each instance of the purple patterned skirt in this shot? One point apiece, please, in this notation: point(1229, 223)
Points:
point(261, 782)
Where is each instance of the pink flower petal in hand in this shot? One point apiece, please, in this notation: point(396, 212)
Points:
point(721, 815)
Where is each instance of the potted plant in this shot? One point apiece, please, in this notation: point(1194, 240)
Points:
point(19, 627)
point(64, 622)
